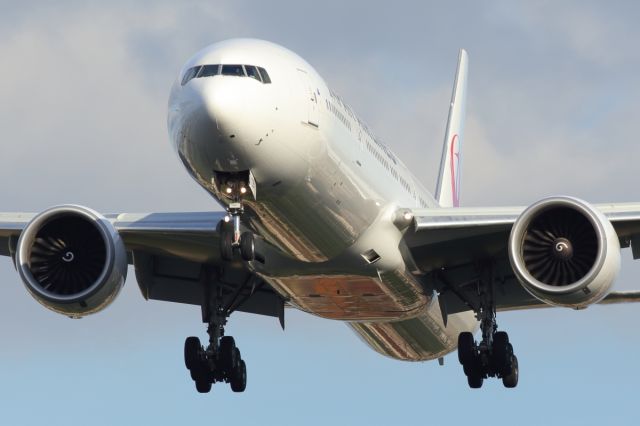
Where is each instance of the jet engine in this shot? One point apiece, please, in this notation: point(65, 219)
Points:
point(564, 252)
point(72, 260)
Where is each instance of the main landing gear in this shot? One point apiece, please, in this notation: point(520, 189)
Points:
point(220, 360)
point(493, 356)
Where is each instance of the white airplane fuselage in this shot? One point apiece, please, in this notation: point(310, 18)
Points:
point(325, 198)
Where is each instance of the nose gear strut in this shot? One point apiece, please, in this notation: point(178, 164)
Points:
point(234, 240)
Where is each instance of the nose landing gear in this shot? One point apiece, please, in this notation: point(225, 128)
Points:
point(231, 238)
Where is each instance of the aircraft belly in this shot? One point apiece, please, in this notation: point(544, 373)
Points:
point(421, 338)
point(395, 318)
point(394, 295)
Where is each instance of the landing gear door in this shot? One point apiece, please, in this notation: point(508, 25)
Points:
point(311, 99)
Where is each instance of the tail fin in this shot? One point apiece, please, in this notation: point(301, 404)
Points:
point(448, 187)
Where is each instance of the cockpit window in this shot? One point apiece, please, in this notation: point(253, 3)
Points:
point(257, 73)
point(209, 71)
point(265, 76)
point(252, 72)
point(191, 73)
point(236, 70)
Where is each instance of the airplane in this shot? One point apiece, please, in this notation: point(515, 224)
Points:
point(321, 216)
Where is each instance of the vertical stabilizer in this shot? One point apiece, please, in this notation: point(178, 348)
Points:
point(448, 187)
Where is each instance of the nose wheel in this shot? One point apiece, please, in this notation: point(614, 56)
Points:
point(232, 239)
point(245, 246)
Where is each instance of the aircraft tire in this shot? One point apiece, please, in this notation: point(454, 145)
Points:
point(247, 246)
point(475, 381)
point(239, 377)
point(237, 358)
point(228, 353)
point(502, 352)
point(203, 385)
point(226, 246)
point(191, 348)
point(466, 348)
point(195, 374)
point(511, 380)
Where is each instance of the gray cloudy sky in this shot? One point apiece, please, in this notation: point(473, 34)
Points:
point(553, 104)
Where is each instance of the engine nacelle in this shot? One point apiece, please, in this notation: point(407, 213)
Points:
point(564, 252)
point(72, 260)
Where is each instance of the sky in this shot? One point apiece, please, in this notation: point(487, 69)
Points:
point(553, 107)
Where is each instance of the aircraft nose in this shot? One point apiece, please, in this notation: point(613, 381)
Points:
point(217, 122)
point(216, 103)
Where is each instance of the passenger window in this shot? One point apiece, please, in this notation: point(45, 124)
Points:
point(191, 72)
point(236, 70)
point(265, 76)
point(209, 71)
point(252, 72)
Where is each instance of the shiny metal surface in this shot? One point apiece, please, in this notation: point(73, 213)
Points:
point(325, 190)
point(314, 178)
point(590, 288)
point(98, 294)
point(421, 338)
point(393, 296)
point(307, 205)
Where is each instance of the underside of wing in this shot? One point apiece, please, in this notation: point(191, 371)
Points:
point(448, 237)
point(172, 253)
point(454, 247)
point(187, 236)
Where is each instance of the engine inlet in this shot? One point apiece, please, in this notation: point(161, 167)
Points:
point(560, 246)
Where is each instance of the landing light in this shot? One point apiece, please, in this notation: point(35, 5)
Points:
point(228, 190)
point(227, 219)
point(243, 190)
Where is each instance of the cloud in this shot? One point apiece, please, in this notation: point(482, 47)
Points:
point(84, 105)
point(553, 107)
point(593, 32)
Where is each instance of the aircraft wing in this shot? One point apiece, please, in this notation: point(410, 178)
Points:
point(168, 251)
point(449, 243)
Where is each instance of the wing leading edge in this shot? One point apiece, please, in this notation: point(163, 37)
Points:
point(456, 239)
point(169, 252)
